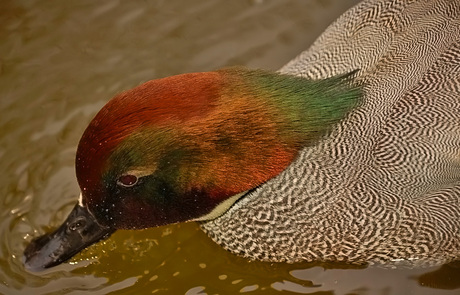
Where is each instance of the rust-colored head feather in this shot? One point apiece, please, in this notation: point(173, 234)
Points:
point(191, 141)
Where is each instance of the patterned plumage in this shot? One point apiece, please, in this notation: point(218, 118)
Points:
point(384, 186)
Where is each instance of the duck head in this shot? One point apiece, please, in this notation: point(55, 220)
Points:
point(186, 147)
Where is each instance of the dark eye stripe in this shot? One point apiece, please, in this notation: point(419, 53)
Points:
point(127, 180)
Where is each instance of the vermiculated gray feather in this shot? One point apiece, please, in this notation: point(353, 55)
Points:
point(384, 185)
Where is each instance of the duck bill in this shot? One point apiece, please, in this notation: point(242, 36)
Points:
point(79, 231)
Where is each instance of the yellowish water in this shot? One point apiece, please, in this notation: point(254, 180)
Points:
point(60, 61)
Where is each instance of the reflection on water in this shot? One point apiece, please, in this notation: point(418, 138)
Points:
point(61, 61)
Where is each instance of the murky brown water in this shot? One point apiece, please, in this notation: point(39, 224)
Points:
point(60, 61)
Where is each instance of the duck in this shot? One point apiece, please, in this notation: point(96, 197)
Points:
point(349, 153)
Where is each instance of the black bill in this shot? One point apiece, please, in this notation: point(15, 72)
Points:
point(78, 232)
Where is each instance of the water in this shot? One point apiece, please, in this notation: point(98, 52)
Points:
point(60, 61)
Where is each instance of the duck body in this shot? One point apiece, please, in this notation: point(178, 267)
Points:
point(351, 153)
point(384, 187)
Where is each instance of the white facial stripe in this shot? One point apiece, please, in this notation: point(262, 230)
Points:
point(140, 172)
point(80, 200)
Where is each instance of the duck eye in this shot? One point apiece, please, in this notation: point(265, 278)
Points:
point(127, 180)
